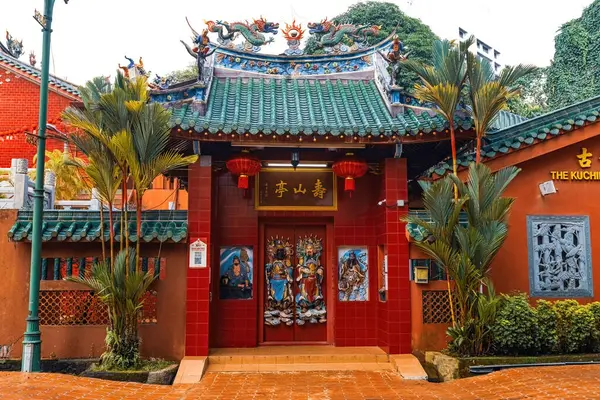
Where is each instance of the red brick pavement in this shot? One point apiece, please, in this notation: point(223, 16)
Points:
point(572, 382)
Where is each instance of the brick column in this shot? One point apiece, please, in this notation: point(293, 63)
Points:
point(198, 287)
point(395, 186)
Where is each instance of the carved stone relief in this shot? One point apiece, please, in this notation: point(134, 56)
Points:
point(560, 260)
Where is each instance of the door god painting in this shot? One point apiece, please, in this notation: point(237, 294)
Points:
point(310, 303)
point(353, 278)
point(279, 278)
point(236, 272)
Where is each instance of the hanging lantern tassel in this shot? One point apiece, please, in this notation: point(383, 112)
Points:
point(350, 168)
point(243, 181)
point(244, 166)
point(349, 185)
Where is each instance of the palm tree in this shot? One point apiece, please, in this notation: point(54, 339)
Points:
point(489, 94)
point(148, 152)
point(105, 176)
point(443, 82)
point(69, 183)
point(122, 289)
point(466, 252)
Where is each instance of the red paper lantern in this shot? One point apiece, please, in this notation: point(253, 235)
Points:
point(350, 168)
point(245, 166)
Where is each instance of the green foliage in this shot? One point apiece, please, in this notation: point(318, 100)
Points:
point(122, 290)
point(69, 182)
point(574, 74)
point(516, 327)
point(532, 101)
point(416, 36)
point(546, 320)
point(595, 310)
point(575, 326)
point(466, 252)
point(562, 327)
point(183, 75)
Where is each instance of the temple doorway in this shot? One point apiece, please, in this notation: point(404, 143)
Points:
point(293, 284)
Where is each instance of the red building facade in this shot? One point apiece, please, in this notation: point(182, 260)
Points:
point(274, 261)
point(19, 107)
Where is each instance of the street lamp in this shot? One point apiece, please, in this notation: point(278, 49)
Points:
point(32, 339)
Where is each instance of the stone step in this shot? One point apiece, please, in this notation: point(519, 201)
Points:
point(297, 367)
point(299, 358)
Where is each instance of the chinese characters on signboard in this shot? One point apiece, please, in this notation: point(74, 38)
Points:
point(584, 160)
point(286, 189)
point(198, 254)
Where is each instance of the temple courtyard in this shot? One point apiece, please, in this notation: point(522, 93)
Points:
point(572, 382)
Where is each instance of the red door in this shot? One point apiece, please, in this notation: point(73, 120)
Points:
point(294, 284)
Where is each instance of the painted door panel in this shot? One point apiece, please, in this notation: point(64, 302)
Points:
point(307, 287)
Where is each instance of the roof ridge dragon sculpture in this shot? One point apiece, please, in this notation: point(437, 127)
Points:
point(329, 35)
point(13, 47)
point(252, 32)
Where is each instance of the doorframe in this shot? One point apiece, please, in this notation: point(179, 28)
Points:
point(331, 273)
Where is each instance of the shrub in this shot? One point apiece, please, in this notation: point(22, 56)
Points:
point(575, 327)
point(516, 330)
point(546, 321)
point(595, 310)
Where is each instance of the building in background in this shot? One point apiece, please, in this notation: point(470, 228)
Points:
point(483, 50)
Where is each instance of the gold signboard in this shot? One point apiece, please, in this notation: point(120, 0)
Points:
point(300, 190)
point(584, 174)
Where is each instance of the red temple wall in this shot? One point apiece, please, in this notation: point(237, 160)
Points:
point(19, 108)
point(359, 221)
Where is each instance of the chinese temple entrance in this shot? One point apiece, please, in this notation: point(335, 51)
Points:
point(293, 284)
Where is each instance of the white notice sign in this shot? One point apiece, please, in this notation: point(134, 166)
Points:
point(198, 254)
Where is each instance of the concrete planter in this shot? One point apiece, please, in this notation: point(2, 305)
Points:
point(449, 368)
point(164, 376)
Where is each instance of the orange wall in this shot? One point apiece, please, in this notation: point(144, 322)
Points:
point(165, 339)
point(510, 270)
point(424, 336)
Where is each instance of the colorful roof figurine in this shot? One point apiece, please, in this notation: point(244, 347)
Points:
point(524, 134)
point(345, 92)
point(76, 226)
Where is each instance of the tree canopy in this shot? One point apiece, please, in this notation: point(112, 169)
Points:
point(532, 101)
point(574, 74)
point(416, 36)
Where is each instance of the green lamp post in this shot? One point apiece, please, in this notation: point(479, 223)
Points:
point(32, 339)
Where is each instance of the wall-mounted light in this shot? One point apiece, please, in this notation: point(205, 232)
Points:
point(421, 274)
point(300, 165)
point(295, 159)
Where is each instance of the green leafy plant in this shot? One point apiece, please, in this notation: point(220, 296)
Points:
point(122, 290)
point(574, 73)
point(442, 82)
point(595, 310)
point(546, 322)
point(466, 252)
point(516, 329)
point(488, 94)
point(575, 326)
point(69, 182)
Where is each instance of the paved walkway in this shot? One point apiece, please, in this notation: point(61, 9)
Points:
point(572, 382)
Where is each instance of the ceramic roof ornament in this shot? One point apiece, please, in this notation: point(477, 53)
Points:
point(13, 47)
point(330, 35)
point(253, 33)
point(293, 34)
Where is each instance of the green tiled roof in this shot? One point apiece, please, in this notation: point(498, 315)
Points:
point(302, 106)
point(75, 226)
point(525, 134)
point(36, 73)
